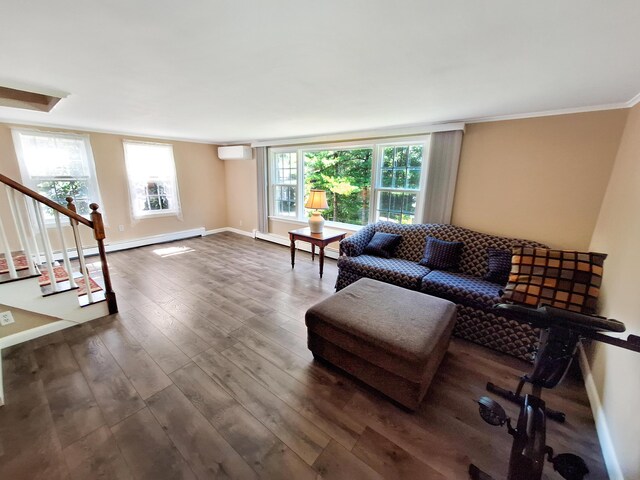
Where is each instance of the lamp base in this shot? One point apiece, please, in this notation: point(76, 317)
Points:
point(316, 222)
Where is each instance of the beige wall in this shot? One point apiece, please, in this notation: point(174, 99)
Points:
point(201, 180)
point(617, 233)
point(242, 194)
point(541, 178)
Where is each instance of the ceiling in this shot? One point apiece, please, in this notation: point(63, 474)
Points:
point(229, 71)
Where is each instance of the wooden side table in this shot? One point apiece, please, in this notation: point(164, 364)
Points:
point(320, 240)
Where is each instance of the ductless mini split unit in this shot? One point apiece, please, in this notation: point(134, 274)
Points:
point(235, 152)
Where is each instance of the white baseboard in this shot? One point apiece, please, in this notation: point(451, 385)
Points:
point(36, 332)
point(165, 237)
point(138, 242)
point(232, 230)
point(279, 239)
point(608, 449)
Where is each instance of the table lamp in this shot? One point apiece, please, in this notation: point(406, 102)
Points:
point(317, 201)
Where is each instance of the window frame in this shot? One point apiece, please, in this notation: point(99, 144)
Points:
point(377, 145)
point(420, 191)
point(272, 191)
point(93, 187)
point(174, 212)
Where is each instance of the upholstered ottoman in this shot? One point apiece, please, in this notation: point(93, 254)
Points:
point(391, 338)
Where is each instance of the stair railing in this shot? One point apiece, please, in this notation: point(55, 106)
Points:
point(26, 208)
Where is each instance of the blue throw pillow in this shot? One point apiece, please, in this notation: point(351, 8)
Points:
point(499, 266)
point(383, 244)
point(441, 255)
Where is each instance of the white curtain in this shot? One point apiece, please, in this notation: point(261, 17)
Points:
point(261, 165)
point(444, 156)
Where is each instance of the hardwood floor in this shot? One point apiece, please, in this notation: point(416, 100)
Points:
point(205, 374)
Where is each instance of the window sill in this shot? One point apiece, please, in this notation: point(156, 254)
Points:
point(156, 215)
point(329, 224)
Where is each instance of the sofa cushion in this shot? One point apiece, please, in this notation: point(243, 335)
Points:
point(353, 245)
point(563, 279)
point(397, 271)
point(462, 288)
point(499, 266)
point(473, 258)
point(383, 244)
point(441, 255)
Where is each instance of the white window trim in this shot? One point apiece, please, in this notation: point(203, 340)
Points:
point(27, 179)
point(376, 145)
point(421, 192)
point(271, 185)
point(173, 212)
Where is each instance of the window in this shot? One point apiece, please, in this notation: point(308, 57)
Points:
point(399, 185)
point(58, 165)
point(153, 187)
point(377, 181)
point(346, 176)
point(285, 169)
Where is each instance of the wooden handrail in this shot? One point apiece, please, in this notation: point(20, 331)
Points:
point(96, 224)
point(99, 235)
point(49, 203)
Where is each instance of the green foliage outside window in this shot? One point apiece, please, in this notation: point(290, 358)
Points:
point(59, 190)
point(156, 197)
point(346, 176)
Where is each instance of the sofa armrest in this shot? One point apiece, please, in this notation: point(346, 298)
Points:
point(354, 245)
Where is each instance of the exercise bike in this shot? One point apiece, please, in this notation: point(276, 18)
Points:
point(561, 334)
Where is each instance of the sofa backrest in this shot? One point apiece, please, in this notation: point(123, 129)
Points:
point(474, 259)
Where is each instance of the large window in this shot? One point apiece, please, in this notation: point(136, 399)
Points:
point(153, 187)
point(370, 182)
point(285, 174)
point(346, 176)
point(400, 173)
point(58, 165)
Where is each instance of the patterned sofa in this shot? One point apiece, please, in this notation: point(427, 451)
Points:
point(473, 295)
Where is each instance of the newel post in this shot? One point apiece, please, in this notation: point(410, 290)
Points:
point(71, 206)
point(99, 235)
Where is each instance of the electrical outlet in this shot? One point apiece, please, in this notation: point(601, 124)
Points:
point(240, 222)
point(121, 228)
point(6, 318)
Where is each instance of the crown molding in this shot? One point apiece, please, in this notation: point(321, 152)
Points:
point(70, 128)
point(376, 133)
point(634, 101)
point(562, 111)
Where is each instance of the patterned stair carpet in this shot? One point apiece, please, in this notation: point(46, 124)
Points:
point(61, 275)
point(20, 262)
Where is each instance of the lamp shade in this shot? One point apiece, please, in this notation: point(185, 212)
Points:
point(317, 200)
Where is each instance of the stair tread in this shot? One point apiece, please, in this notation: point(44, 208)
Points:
point(22, 267)
point(22, 274)
point(65, 286)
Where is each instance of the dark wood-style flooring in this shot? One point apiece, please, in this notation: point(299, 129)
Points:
point(205, 374)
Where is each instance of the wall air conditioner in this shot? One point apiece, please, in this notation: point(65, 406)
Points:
point(235, 152)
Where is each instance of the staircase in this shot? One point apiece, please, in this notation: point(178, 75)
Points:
point(45, 284)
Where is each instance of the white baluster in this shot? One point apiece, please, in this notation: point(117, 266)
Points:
point(7, 252)
point(65, 254)
point(44, 237)
point(24, 239)
point(83, 265)
point(28, 207)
